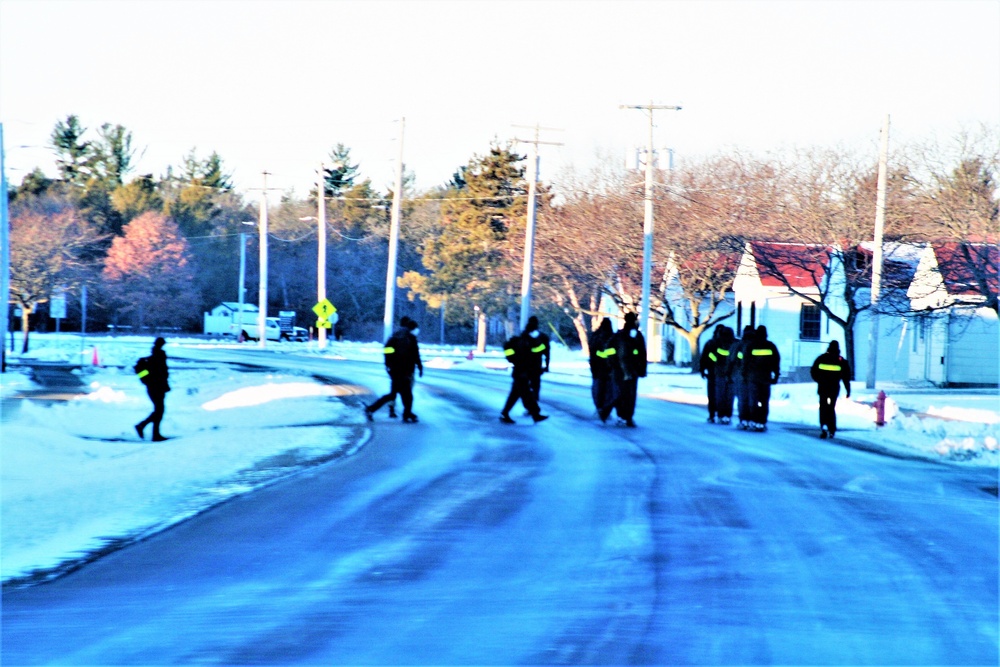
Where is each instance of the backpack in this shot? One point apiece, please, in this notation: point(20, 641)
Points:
point(395, 352)
point(514, 350)
point(141, 369)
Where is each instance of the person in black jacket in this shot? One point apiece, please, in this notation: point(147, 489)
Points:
point(602, 357)
point(518, 351)
point(630, 353)
point(741, 389)
point(761, 369)
point(707, 368)
point(724, 372)
point(155, 379)
point(539, 353)
point(402, 357)
point(829, 371)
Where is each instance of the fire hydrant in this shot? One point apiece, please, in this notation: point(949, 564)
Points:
point(880, 409)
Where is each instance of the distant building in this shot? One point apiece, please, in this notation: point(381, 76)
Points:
point(957, 338)
point(773, 288)
point(220, 320)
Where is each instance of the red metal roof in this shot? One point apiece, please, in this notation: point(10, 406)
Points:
point(793, 264)
point(965, 267)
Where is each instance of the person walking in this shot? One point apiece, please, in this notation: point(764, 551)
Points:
point(630, 354)
point(602, 358)
point(762, 365)
point(153, 373)
point(829, 371)
point(518, 352)
point(724, 376)
point(402, 358)
point(707, 368)
point(737, 370)
point(540, 354)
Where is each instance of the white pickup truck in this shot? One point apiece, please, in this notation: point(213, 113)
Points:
point(249, 329)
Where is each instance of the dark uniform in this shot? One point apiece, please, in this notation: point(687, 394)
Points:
point(762, 366)
point(402, 357)
point(724, 372)
point(737, 369)
point(539, 354)
point(602, 358)
point(157, 387)
point(630, 353)
point(518, 352)
point(706, 365)
point(829, 371)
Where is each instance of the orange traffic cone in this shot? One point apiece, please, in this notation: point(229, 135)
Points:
point(471, 356)
point(95, 361)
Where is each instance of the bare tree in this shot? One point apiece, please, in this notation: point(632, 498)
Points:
point(49, 248)
point(585, 242)
point(816, 248)
point(706, 203)
point(956, 210)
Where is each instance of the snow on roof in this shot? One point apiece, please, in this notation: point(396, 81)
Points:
point(899, 264)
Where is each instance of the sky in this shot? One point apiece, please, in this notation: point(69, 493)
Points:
point(273, 85)
point(86, 479)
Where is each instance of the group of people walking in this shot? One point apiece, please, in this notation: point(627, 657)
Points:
point(617, 361)
point(744, 369)
point(739, 370)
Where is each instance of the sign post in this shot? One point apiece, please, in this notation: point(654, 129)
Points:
point(57, 307)
point(327, 314)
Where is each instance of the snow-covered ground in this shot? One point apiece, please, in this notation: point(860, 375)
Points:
point(75, 480)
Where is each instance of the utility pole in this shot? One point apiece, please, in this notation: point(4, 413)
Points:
point(243, 274)
point(390, 274)
point(647, 226)
point(321, 251)
point(4, 259)
point(262, 283)
point(529, 232)
point(883, 165)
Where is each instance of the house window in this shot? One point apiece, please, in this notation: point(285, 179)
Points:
point(809, 322)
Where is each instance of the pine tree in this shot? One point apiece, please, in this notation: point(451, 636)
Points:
point(74, 156)
point(341, 173)
point(472, 255)
point(195, 203)
point(113, 155)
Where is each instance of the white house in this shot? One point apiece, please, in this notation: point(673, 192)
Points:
point(802, 330)
point(956, 341)
point(667, 340)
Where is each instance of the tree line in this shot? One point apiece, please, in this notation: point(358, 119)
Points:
point(156, 252)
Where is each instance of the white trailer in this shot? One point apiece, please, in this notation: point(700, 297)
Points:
point(225, 320)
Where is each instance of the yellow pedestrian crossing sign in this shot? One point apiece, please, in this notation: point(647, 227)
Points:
point(324, 309)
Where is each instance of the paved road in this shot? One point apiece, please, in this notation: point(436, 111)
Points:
point(462, 541)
